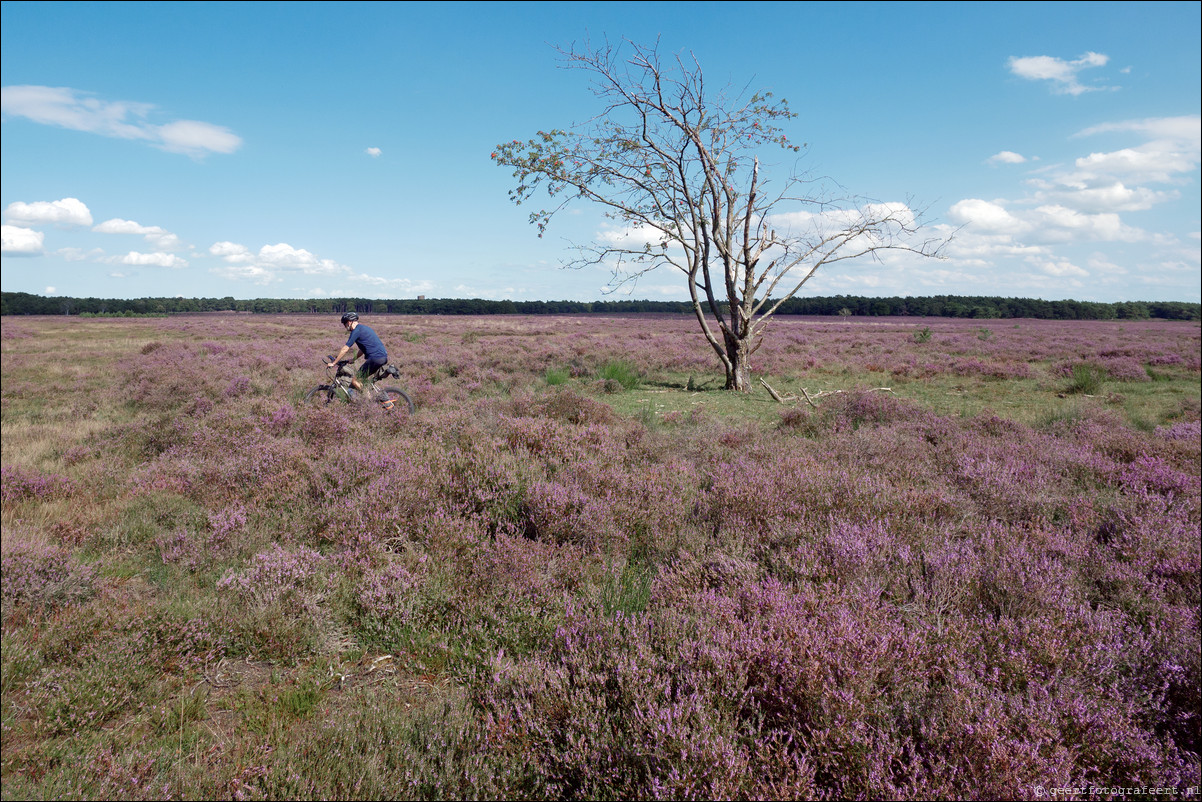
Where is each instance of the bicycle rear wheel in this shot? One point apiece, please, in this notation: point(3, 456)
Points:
point(395, 400)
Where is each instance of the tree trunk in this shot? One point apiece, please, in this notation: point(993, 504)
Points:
point(738, 365)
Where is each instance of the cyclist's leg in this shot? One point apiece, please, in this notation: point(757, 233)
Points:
point(368, 370)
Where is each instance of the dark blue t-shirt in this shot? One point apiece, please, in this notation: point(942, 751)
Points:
point(368, 342)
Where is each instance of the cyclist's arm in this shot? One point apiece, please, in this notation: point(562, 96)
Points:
point(346, 349)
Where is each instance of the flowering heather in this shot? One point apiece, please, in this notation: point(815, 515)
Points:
point(280, 421)
point(18, 485)
point(197, 644)
point(274, 574)
point(237, 387)
point(1158, 476)
point(967, 585)
point(385, 595)
point(42, 575)
point(996, 370)
point(225, 523)
point(1125, 369)
point(1191, 430)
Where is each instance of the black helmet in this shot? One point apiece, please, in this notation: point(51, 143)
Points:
point(348, 317)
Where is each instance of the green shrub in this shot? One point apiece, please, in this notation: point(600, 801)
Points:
point(621, 372)
point(1087, 379)
point(630, 591)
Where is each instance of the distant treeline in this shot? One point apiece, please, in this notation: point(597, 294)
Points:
point(20, 303)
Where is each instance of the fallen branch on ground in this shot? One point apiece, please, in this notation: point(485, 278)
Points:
point(791, 399)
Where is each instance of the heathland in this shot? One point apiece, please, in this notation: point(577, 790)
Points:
point(961, 561)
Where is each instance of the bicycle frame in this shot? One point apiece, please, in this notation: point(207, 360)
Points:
point(344, 375)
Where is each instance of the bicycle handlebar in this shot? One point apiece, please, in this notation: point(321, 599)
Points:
point(340, 367)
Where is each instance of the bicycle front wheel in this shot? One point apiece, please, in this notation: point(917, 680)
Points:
point(320, 396)
point(396, 400)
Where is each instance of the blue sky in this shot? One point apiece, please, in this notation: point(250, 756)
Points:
point(342, 149)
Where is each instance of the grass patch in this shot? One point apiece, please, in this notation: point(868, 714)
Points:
point(157, 512)
point(621, 372)
point(629, 591)
point(1031, 401)
point(1086, 380)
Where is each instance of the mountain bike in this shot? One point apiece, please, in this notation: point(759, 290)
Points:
point(392, 399)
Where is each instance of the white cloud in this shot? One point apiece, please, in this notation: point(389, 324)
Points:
point(66, 108)
point(633, 238)
point(160, 238)
point(1062, 74)
point(1006, 157)
point(373, 152)
point(1100, 263)
point(986, 216)
point(1173, 149)
point(119, 226)
point(899, 212)
point(1185, 130)
point(665, 290)
point(1111, 181)
point(151, 260)
point(379, 287)
point(1114, 197)
point(18, 241)
point(195, 139)
point(82, 111)
point(285, 257)
point(276, 263)
point(247, 272)
point(1047, 230)
point(80, 255)
point(65, 212)
point(1148, 163)
point(1059, 223)
point(1063, 269)
point(272, 262)
point(231, 252)
point(391, 287)
point(975, 247)
point(51, 290)
point(882, 223)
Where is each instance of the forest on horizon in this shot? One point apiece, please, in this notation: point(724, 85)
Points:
point(953, 306)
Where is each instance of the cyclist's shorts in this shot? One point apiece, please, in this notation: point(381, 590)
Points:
point(368, 368)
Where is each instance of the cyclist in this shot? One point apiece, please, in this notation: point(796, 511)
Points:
point(375, 356)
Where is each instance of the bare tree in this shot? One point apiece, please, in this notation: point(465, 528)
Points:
point(679, 169)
